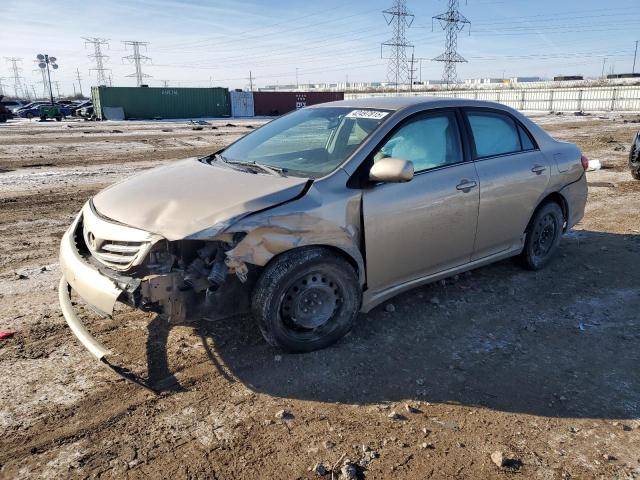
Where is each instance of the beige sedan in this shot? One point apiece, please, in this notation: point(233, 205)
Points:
point(323, 213)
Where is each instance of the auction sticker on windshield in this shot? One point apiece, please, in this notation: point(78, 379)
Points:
point(373, 114)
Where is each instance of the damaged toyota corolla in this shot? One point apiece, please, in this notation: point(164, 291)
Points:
point(324, 213)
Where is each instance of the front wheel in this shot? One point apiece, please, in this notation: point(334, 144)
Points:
point(306, 299)
point(543, 236)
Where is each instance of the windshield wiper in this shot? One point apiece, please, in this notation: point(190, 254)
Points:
point(265, 168)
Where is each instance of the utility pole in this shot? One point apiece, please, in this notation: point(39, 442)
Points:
point(79, 82)
point(452, 22)
point(297, 84)
point(250, 81)
point(635, 54)
point(137, 59)
point(98, 57)
point(17, 78)
point(412, 72)
point(400, 18)
point(44, 60)
point(57, 84)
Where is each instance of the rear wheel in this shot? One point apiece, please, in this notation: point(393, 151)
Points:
point(543, 236)
point(306, 299)
point(634, 157)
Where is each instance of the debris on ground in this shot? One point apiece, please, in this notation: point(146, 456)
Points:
point(319, 469)
point(389, 308)
point(499, 459)
point(6, 334)
point(283, 415)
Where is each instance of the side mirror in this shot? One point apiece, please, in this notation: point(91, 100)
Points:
point(392, 170)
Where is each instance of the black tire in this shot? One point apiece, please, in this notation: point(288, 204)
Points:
point(306, 299)
point(543, 236)
point(634, 157)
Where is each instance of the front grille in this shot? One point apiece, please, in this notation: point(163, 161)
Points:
point(116, 246)
point(113, 253)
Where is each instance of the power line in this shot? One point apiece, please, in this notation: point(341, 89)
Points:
point(18, 87)
point(138, 59)
point(98, 57)
point(400, 18)
point(452, 22)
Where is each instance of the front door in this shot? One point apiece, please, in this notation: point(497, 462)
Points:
point(427, 225)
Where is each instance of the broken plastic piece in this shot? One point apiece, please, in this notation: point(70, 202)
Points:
point(6, 334)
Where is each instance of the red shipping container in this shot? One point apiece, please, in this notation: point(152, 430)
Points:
point(279, 103)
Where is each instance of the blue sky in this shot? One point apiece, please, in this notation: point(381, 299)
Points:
point(198, 43)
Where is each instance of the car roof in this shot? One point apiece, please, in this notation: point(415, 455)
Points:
point(402, 102)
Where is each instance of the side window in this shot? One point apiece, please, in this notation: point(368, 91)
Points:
point(493, 133)
point(525, 139)
point(428, 142)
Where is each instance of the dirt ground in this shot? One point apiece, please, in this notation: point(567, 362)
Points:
point(543, 367)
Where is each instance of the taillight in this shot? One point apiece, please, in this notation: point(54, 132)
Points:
point(584, 161)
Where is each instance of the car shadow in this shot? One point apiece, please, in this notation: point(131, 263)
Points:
point(559, 342)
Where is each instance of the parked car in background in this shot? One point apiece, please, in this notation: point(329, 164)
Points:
point(325, 212)
point(5, 113)
point(13, 105)
point(634, 157)
point(78, 106)
point(35, 110)
point(86, 111)
point(29, 110)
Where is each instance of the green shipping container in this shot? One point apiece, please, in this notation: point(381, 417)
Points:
point(146, 102)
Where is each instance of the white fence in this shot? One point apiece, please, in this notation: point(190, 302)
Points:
point(591, 99)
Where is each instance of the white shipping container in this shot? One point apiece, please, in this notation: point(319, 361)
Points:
point(241, 104)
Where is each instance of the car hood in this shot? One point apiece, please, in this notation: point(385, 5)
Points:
point(187, 197)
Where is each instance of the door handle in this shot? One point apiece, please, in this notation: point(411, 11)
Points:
point(538, 169)
point(466, 185)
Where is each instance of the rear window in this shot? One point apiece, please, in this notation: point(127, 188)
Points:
point(494, 133)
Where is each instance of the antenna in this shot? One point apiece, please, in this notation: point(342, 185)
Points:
point(137, 59)
point(401, 18)
point(98, 57)
point(452, 22)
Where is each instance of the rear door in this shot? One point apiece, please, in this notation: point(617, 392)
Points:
point(513, 177)
point(426, 225)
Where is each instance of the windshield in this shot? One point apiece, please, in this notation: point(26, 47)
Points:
point(310, 142)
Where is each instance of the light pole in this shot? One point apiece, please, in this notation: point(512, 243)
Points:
point(43, 62)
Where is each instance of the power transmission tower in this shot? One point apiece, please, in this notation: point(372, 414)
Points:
point(400, 18)
point(79, 81)
point(452, 22)
point(165, 83)
point(43, 72)
point(18, 87)
point(137, 59)
point(98, 57)
point(2, 85)
point(57, 85)
point(635, 54)
point(35, 95)
point(251, 79)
